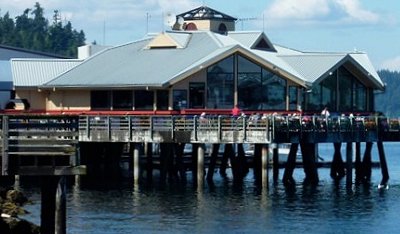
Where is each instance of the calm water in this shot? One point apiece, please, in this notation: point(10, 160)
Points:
point(229, 208)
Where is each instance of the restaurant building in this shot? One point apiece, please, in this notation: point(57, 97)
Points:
point(201, 65)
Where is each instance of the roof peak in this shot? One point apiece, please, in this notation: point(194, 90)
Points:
point(205, 12)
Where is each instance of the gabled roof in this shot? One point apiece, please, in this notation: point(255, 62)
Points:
point(35, 72)
point(135, 65)
point(205, 13)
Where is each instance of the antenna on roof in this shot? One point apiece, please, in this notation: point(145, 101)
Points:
point(246, 19)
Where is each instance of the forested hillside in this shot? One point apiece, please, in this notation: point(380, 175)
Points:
point(32, 31)
point(389, 101)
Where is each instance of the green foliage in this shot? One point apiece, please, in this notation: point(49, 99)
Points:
point(388, 101)
point(32, 30)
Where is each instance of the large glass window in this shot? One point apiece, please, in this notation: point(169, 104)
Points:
point(144, 100)
point(100, 100)
point(259, 89)
point(293, 100)
point(275, 89)
point(341, 91)
point(220, 84)
point(328, 92)
point(249, 84)
point(162, 99)
point(179, 97)
point(122, 100)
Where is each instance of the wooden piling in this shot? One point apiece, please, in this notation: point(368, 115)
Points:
point(309, 164)
point(61, 204)
point(357, 162)
point(180, 166)
point(48, 215)
point(257, 163)
point(264, 165)
point(200, 164)
point(213, 162)
point(367, 162)
point(148, 151)
point(287, 178)
point(275, 163)
point(384, 167)
point(337, 166)
point(136, 162)
point(349, 165)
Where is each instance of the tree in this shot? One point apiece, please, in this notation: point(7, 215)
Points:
point(31, 30)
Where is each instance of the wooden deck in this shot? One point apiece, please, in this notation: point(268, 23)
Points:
point(39, 145)
point(49, 144)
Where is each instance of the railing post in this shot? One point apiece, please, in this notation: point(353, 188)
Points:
point(219, 128)
point(88, 127)
point(195, 127)
point(130, 127)
point(4, 158)
point(244, 128)
point(173, 128)
point(151, 128)
point(109, 127)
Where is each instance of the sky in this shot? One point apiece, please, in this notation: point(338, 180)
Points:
point(371, 26)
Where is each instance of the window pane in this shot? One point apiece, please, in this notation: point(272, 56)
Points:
point(122, 100)
point(100, 100)
point(162, 99)
point(360, 97)
point(220, 85)
point(329, 90)
point(345, 90)
point(293, 98)
point(274, 90)
point(179, 99)
point(246, 66)
point(249, 90)
point(224, 66)
point(144, 100)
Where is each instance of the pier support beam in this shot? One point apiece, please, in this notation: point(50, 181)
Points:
point(264, 165)
point(349, 165)
point(290, 165)
point(367, 162)
point(384, 167)
point(180, 165)
point(257, 163)
point(337, 167)
point(53, 205)
point(148, 151)
point(200, 164)
point(309, 164)
point(275, 163)
point(213, 162)
point(357, 162)
point(136, 162)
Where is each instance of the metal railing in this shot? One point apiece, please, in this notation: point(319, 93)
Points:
point(227, 129)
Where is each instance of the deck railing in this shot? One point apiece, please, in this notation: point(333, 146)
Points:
point(227, 129)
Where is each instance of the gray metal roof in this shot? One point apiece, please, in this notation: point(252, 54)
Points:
point(134, 65)
point(312, 66)
point(35, 72)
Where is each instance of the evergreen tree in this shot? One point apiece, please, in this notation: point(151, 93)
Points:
point(31, 30)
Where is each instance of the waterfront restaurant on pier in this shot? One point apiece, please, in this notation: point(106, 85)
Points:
point(201, 65)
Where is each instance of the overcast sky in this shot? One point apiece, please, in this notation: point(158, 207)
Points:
point(371, 26)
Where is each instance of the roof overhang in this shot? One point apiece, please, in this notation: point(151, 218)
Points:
point(243, 51)
point(365, 77)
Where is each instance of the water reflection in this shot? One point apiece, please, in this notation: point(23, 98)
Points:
point(229, 206)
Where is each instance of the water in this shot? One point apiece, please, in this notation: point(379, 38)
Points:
point(236, 208)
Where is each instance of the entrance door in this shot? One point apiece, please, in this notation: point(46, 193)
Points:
point(196, 95)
